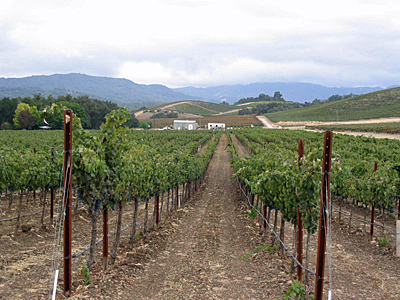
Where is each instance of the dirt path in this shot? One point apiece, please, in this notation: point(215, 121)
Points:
point(203, 257)
point(267, 122)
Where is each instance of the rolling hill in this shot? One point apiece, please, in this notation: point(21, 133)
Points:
point(380, 104)
point(191, 107)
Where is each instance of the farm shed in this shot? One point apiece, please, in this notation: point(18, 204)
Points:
point(185, 124)
point(216, 126)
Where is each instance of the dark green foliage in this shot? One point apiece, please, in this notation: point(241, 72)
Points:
point(26, 120)
point(245, 111)
point(132, 122)
point(269, 107)
point(91, 111)
point(7, 110)
point(262, 97)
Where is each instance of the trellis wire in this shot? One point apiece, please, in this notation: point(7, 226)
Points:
point(58, 232)
point(276, 235)
point(366, 222)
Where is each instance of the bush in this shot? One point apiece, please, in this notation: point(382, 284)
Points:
point(7, 126)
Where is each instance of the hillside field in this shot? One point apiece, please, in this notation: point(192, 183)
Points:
point(381, 104)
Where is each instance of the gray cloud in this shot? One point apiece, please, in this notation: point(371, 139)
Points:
point(204, 43)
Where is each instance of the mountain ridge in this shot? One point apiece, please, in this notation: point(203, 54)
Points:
point(291, 91)
point(128, 93)
point(120, 90)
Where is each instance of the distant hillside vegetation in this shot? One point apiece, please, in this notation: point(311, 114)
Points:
point(381, 104)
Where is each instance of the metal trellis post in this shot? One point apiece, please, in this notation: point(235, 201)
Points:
point(300, 225)
point(68, 201)
point(323, 219)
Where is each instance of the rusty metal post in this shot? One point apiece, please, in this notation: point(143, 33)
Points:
point(300, 224)
point(34, 191)
point(52, 194)
point(105, 238)
point(68, 201)
point(371, 233)
point(178, 204)
point(52, 205)
point(323, 218)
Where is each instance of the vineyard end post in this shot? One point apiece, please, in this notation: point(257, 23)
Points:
point(323, 219)
point(68, 201)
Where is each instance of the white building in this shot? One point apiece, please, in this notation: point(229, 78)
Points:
point(185, 125)
point(216, 126)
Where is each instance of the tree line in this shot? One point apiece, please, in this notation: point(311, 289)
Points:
point(261, 98)
point(15, 112)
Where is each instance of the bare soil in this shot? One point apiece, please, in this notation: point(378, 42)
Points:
point(205, 250)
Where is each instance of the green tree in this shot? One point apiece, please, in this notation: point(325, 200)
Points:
point(278, 96)
point(7, 110)
point(6, 126)
point(26, 120)
point(57, 121)
point(20, 107)
point(132, 122)
point(144, 125)
point(245, 111)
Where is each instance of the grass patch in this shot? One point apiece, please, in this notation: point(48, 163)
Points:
point(215, 106)
point(192, 109)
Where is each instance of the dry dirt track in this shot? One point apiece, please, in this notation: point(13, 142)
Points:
point(302, 125)
point(203, 257)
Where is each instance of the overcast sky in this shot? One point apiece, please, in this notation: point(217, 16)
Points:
point(204, 43)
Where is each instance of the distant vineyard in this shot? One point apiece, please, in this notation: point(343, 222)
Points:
point(391, 128)
point(235, 121)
